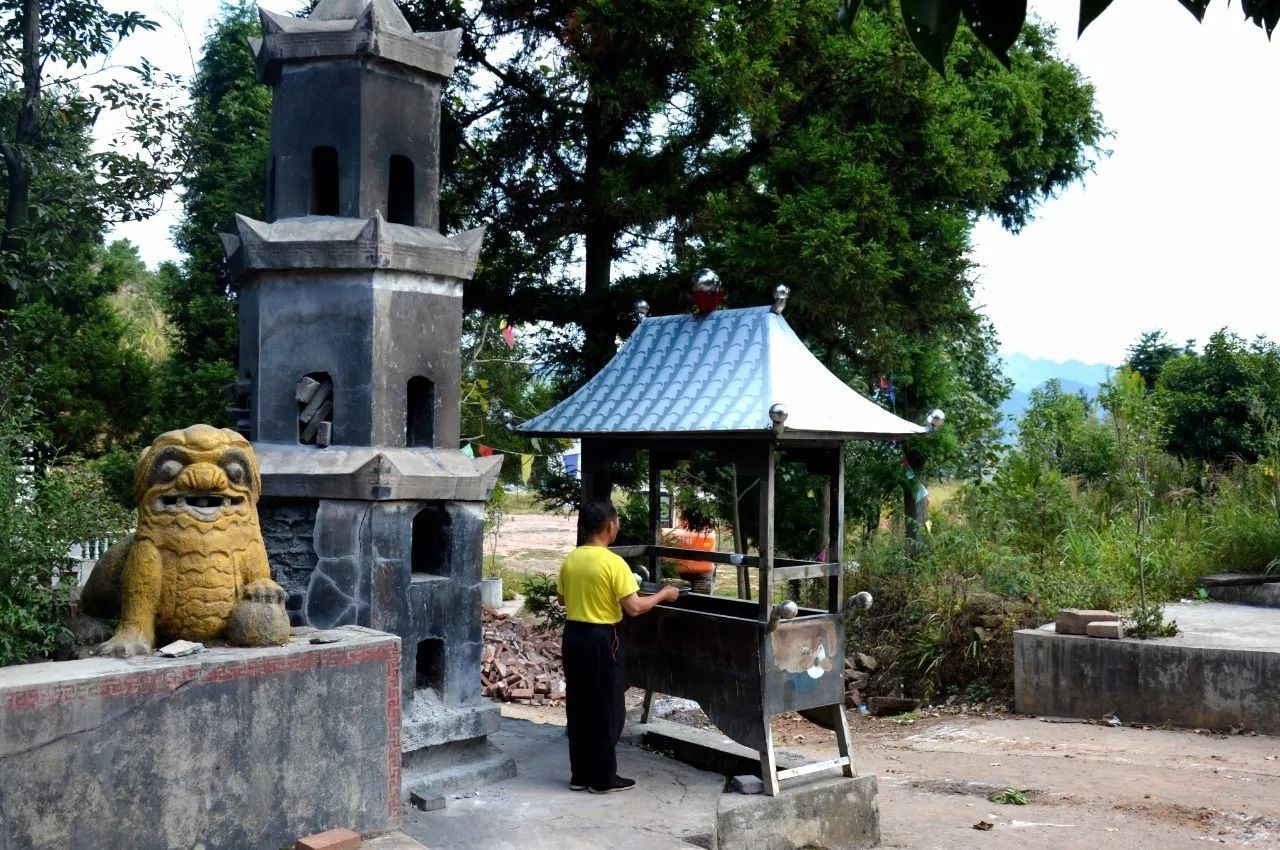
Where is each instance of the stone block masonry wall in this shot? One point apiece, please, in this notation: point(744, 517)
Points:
point(287, 530)
point(230, 748)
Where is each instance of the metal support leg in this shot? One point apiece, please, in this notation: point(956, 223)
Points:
point(768, 765)
point(843, 741)
point(646, 707)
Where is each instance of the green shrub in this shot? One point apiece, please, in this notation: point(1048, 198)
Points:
point(540, 600)
point(42, 513)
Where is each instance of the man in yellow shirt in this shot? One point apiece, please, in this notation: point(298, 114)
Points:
point(596, 587)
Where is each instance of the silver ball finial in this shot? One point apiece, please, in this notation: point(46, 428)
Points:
point(780, 294)
point(706, 280)
point(641, 308)
point(778, 415)
point(861, 599)
point(935, 419)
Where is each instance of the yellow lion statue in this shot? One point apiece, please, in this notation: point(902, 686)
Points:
point(196, 568)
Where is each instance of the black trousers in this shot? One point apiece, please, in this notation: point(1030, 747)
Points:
point(595, 682)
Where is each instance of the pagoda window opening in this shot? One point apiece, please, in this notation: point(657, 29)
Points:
point(400, 194)
point(421, 410)
point(324, 180)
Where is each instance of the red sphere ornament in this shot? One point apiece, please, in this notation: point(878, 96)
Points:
point(708, 294)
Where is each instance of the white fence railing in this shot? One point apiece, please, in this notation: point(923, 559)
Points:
point(85, 553)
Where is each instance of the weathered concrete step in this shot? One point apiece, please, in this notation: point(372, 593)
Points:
point(452, 769)
point(1261, 595)
point(1233, 579)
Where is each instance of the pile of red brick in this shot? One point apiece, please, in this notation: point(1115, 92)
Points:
point(858, 668)
point(518, 663)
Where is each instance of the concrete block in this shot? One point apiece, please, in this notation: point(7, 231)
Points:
point(228, 749)
point(1105, 629)
point(748, 784)
point(828, 813)
point(331, 839)
point(426, 802)
point(1218, 672)
point(1075, 621)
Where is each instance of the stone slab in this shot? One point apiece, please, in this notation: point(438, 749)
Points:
point(832, 814)
point(1075, 621)
point(228, 748)
point(427, 723)
point(1113, 629)
point(1218, 672)
point(708, 750)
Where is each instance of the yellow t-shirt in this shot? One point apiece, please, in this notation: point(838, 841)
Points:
point(592, 580)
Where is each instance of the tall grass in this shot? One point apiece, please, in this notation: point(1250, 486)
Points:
point(1009, 554)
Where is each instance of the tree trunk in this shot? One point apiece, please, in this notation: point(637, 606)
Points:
point(14, 153)
point(599, 237)
point(915, 512)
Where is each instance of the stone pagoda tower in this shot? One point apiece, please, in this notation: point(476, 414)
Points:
point(350, 325)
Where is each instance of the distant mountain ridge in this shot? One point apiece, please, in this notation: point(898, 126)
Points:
point(1027, 373)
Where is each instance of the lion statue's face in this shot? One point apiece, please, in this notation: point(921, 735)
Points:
point(201, 473)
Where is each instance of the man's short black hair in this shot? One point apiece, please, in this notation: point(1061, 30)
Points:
point(597, 515)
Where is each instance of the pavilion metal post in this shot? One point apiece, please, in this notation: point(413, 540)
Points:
point(739, 544)
point(655, 521)
point(765, 535)
point(835, 526)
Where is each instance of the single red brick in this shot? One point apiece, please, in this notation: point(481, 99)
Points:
point(333, 839)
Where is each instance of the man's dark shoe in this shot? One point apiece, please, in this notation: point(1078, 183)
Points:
point(576, 785)
point(618, 784)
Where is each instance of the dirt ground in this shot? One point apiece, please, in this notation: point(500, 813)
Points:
point(536, 542)
point(1087, 785)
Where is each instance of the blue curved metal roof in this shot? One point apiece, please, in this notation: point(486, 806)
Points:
point(716, 374)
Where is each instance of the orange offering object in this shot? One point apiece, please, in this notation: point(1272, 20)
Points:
point(703, 541)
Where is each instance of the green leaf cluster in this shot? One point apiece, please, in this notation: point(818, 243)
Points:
point(931, 24)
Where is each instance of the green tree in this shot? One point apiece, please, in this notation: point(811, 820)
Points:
point(865, 200)
point(1063, 431)
point(59, 192)
point(931, 24)
point(228, 135)
point(1222, 405)
point(1140, 435)
point(1150, 353)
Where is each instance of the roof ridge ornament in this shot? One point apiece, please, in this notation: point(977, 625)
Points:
point(641, 309)
point(781, 293)
point(778, 415)
point(708, 293)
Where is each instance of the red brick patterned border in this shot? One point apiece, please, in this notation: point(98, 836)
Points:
point(393, 735)
point(169, 680)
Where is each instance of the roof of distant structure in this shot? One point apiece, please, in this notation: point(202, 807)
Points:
point(339, 29)
point(714, 375)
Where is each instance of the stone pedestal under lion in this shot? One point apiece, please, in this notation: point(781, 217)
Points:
point(196, 568)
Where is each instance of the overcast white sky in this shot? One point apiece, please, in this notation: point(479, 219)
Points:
point(1176, 230)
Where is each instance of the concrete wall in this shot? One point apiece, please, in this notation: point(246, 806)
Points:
point(1203, 687)
point(229, 748)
